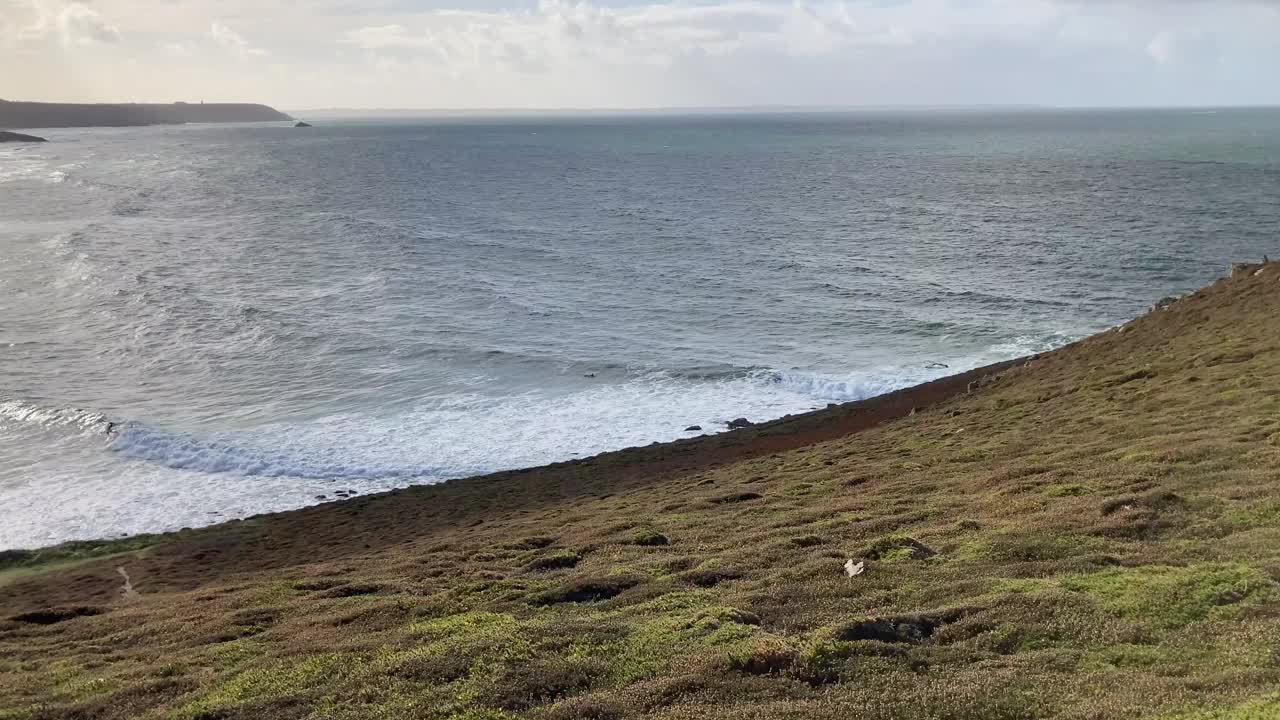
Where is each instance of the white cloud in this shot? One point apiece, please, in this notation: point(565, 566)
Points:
point(446, 53)
point(233, 42)
point(81, 25)
point(21, 21)
point(384, 37)
point(1163, 48)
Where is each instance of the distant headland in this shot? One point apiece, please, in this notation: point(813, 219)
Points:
point(8, 137)
point(64, 115)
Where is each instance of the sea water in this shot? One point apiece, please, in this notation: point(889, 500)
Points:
point(205, 322)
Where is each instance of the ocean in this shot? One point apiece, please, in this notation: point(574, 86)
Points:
point(204, 322)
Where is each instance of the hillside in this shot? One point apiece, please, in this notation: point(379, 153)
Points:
point(1091, 533)
point(60, 115)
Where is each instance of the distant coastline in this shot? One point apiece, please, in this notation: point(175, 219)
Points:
point(22, 115)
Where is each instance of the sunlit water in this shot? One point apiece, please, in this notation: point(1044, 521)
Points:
point(205, 322)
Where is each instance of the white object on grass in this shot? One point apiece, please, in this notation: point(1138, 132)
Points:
point(127, 589)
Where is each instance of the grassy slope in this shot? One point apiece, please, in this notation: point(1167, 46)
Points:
point(1095, 534)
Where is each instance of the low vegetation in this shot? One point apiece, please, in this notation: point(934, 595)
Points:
point(1093, 533)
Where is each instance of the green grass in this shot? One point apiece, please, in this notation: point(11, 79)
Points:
point(1265, 708)
point(1174, 597)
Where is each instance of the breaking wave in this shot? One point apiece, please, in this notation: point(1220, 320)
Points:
point(466, 435)
point(20, 411)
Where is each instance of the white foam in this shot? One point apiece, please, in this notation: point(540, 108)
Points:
point(19, 411)
point(472, 434)
point(158, 479)
point(468, 435)
point(21, 165)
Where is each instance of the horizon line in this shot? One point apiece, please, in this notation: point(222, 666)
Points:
point(776, 108)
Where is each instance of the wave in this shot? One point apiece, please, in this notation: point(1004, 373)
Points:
point(463, 435)
point(23, 167)
point(842, 389)
point(185, 451)
point(21, 411)
point(983, 298)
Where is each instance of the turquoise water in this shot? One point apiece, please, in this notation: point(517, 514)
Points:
point(206, 322)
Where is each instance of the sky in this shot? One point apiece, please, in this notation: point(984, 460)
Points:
point(490, 54)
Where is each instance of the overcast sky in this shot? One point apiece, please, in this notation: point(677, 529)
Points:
point(298, 54)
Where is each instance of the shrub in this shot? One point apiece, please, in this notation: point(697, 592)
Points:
point(555, 561)
point(765, 656)
point(897, 547)
point(649, 538)
point(591, 589)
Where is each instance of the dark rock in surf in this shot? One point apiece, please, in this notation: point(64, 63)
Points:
point(693, 428)
point(302, 124)
point(740, 423)
point(6, 136)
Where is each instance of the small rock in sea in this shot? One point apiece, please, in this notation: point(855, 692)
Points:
point(303, 124)
point(693, 428)
point(937, 366)
point(589, 375)
point(322, 497)
point(740, 423)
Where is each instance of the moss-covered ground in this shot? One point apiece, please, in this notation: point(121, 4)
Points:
point(1093, 533)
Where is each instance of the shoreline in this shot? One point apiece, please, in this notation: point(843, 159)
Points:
point(1104, 511)
point(307, 534)
point(689, 454)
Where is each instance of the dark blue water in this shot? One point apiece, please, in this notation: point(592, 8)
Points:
point(261, 314)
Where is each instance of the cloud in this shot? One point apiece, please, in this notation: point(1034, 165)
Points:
point(21, 21)
point(557, 32)
point(1163, 48)
point(384, 37)
point(74, 24)
point(233, 42)
point(591, 53)
point(81, 25)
